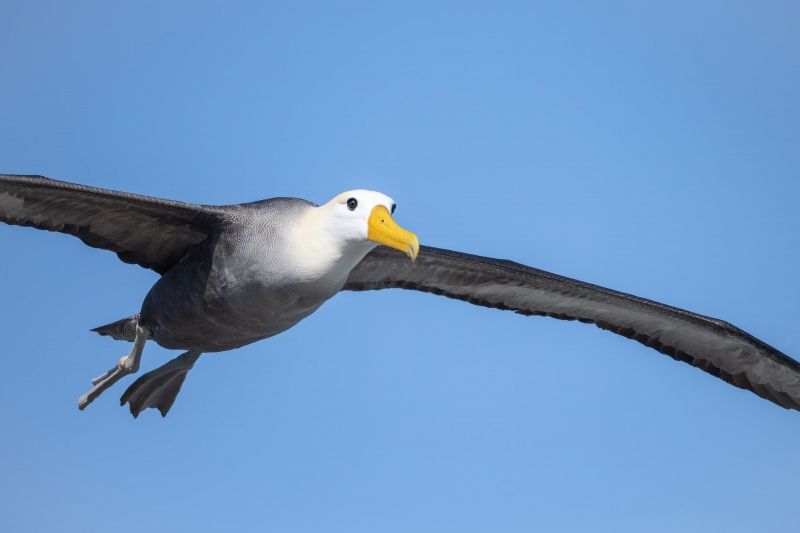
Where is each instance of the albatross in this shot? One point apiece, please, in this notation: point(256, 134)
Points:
point(233, 275)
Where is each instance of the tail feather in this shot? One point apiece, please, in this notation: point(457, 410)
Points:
point(121, 330)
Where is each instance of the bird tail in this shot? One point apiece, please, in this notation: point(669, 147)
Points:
point(121, 330)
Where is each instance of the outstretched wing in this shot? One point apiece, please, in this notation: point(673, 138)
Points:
point(712, 345)
point(149, 232)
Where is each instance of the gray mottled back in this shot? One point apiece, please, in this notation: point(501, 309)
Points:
point(232, 289)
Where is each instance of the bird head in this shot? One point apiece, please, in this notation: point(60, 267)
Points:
point(366, 216)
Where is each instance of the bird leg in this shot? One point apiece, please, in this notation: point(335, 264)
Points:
point(159, 388)
point(127, 365)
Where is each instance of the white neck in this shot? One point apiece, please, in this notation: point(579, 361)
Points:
point(319, 254)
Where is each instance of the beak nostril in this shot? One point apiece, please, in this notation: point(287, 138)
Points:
point(382, 229)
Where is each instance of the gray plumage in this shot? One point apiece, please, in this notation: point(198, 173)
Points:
point(149, 232)
point(226, 282)
point(709, 344)
point(235, 288)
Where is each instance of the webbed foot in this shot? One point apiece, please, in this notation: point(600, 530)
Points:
point(127, 365)
point(159, 388)
point(101, 383)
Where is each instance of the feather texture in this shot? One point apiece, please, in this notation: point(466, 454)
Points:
point(712, 345)
point(150, 232)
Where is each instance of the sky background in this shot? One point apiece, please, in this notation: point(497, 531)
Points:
point(650, 147)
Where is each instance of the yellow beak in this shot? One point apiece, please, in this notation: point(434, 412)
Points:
point(384, 230)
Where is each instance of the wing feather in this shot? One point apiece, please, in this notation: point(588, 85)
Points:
point(149, 232)
point(712, 345)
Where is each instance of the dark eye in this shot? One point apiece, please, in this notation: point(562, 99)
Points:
point(352, 203)
point(393, 208)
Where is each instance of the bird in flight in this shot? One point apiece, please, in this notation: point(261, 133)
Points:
point(236, 274)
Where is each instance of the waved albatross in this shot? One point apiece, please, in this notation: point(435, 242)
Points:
point(233, 275)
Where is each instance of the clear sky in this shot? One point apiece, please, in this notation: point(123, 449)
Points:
point(651, 147)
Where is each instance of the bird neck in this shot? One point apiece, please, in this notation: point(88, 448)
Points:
point(320, 254)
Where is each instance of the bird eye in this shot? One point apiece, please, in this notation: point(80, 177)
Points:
point(352, 203)
point(393, 208)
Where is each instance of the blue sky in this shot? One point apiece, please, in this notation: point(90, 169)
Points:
point(650, 147)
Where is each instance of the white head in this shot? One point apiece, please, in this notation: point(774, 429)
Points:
point(365, 218)
point(340, 233)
